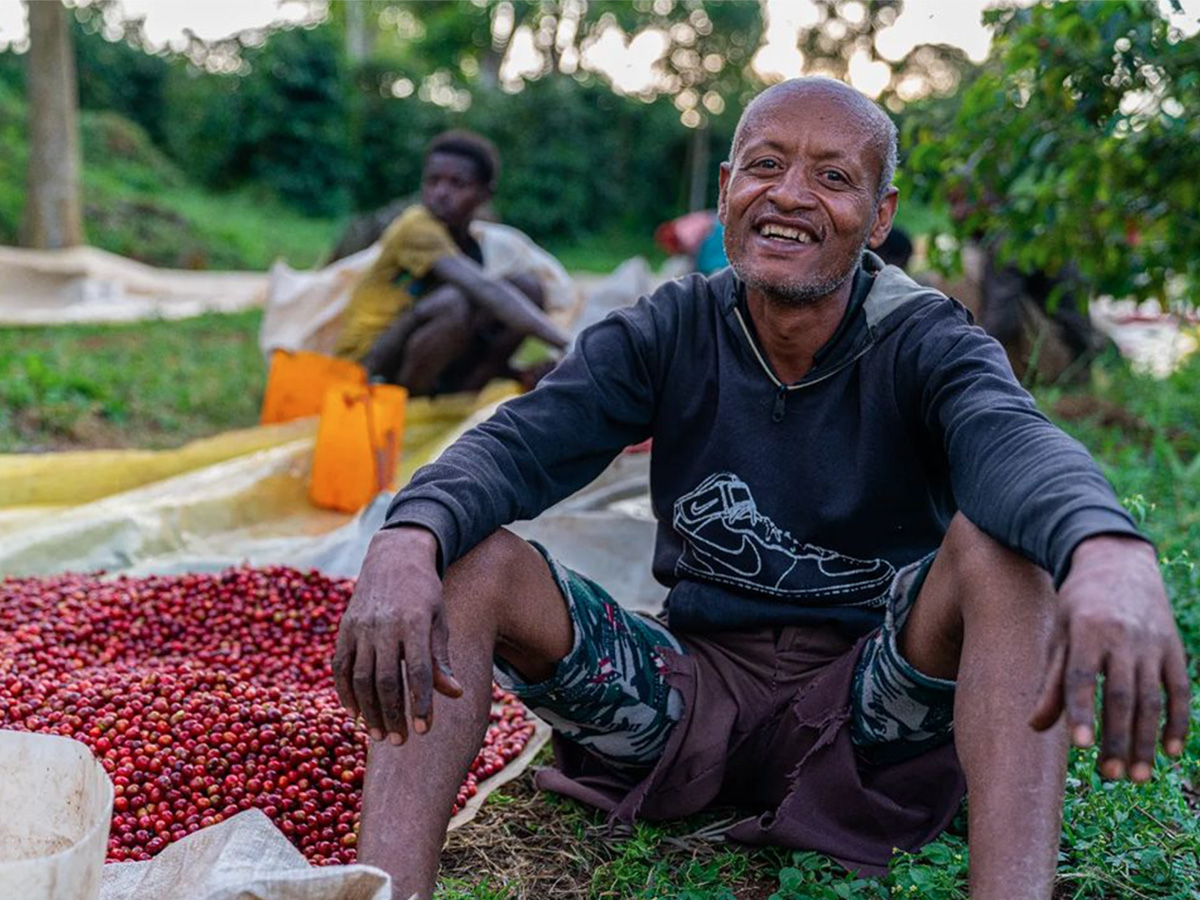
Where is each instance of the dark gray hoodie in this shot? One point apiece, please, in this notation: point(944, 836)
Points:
point(781, 504)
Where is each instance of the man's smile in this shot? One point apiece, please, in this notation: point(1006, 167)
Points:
point(782, 234)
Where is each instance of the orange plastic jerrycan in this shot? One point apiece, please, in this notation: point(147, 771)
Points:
point(358, 444)
point(298, 380)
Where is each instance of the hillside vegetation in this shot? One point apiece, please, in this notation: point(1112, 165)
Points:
point(138, 203)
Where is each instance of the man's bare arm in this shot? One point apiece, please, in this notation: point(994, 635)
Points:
point(1114, 619)
point(499, 298)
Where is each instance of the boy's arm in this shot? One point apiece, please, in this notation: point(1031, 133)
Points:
point(499, 298)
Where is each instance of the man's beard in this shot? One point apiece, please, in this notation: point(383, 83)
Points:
point(794, 293)
point(798, 293)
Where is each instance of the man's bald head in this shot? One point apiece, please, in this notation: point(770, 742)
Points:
point(869, 115)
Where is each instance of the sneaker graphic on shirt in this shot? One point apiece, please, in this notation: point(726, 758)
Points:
point(726, 539)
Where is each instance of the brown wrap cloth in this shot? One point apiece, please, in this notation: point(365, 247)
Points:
point(765, 726)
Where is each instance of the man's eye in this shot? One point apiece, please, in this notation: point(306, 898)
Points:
point(764, 164)
point(834, 175)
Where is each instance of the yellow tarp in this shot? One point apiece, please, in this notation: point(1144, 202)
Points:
point(236, 490)
point(39, 479)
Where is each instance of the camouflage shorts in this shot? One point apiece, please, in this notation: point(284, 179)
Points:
point(610, 694)
point(898, 712)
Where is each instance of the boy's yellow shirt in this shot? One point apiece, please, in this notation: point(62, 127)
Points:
point(410, 247)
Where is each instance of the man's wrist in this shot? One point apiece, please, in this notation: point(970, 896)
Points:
point(1102, 546)
point(412, 539)
point(1105, 548)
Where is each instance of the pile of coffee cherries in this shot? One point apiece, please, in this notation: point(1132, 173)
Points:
point(205, 695)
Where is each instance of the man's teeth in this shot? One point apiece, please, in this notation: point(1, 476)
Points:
point(792, 234)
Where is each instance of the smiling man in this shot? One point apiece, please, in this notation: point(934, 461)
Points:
point(889, 574)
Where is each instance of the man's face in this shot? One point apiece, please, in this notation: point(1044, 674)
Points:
point(798, 199)
point(451, 189)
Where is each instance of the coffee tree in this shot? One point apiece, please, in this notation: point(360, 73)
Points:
point(1078, 141)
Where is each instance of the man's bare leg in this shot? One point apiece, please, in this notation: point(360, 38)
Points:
point(500, 597)
point(985, 616)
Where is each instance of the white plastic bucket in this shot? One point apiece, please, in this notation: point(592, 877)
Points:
point(55, 808)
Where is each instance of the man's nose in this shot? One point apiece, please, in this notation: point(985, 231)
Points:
point(794, 190)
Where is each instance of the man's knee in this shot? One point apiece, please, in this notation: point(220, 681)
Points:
point(975, 584)
point(966, 547)
point(505, 581)
point(981, 566)
point(442, 335)
point(447, 306)
point(507, 574)
point(483, 574)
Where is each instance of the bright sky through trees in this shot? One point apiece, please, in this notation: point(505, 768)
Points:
point(627, 60)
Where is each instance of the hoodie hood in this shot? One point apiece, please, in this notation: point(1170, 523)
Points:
point(893, 295)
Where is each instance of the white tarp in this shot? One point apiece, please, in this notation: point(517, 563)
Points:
point(227, 494)
point(85, 284)
point(1153, 341)
point(254, 509)
point(243, 858)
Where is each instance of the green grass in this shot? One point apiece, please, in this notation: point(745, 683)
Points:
point(184, 227)
point(13, 162)
point(149, 384)
point(254, 231)
point(138, 204)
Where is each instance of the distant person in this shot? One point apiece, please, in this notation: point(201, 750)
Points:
point(425, 315)
point(710, 256)
point(1039, 316)
point(896, 249)
point(698, 236)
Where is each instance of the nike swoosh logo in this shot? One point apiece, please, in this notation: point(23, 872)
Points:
point(699, 509)
point(744, 561)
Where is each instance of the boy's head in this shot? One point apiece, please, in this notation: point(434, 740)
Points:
point(460, 173)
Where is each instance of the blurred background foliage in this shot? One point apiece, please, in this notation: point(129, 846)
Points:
point(329, 118)
point(1078, 141)
point(1077, 138)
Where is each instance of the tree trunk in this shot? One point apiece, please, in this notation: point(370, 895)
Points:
point(52, 206)
point(359, 32)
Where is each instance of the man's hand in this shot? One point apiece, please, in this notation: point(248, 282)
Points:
point(1114, 618)
point(395, 615)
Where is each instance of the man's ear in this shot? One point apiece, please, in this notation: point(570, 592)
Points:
point(884, 216)
point(722, 181)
